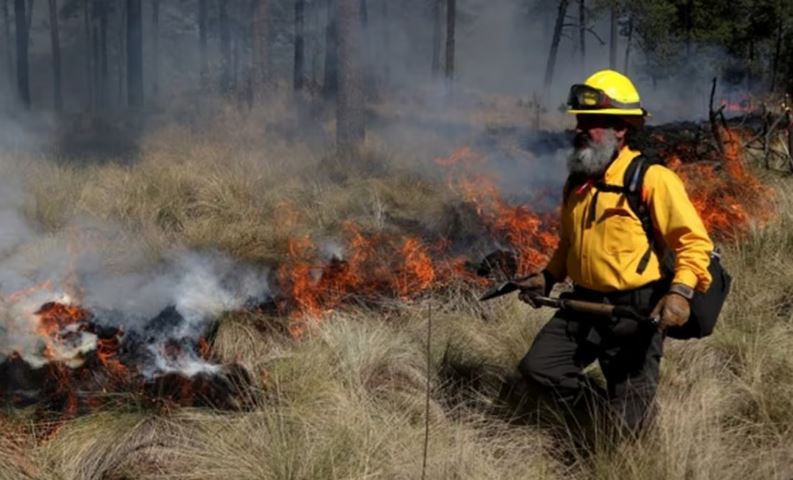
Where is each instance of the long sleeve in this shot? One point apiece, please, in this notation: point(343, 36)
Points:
point(678, 222)
point(557, 265)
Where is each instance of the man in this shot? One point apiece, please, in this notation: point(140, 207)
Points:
point(605, 251)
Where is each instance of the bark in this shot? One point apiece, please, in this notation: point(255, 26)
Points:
point(349, 102)
point(8, 57)
point(582, 32)
point(134, 53)
point(202, 42)
point(261, 45)
point(437, 32)
point(777, 53)
point(331, 83)
point(29, 19)
point(364, 14)
point(23, 84)
point(451, 20)
point(557, 36)
point(225, 48)
point(387, 45)
point(299, 58)
point(155, 64)
point(89, 58)
point(613, 39)
point(121, 51)
point(628, 45)
point(55, 43)
point(103, 66)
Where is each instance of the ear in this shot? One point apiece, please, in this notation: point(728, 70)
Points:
point(621, 132)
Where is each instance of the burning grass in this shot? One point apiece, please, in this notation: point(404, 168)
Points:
point(361, 261)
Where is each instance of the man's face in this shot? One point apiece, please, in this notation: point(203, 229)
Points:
point(597, 141)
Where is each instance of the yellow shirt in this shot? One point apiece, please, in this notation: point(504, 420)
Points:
point(600, 246)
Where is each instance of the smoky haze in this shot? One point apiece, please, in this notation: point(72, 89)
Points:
point(495, 103)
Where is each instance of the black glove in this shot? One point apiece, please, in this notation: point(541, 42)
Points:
point(535, 285)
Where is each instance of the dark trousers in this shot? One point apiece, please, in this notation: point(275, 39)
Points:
point(629, 354)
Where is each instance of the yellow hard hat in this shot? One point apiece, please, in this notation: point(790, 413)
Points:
point(605, 93)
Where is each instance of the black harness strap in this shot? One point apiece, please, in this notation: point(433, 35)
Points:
point(631, 189)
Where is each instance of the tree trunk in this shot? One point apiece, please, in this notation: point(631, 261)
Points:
point(134, 53)
point(23, 86)
point(29, 19)
point(202, 42)
point(777, 52)
point(582, 32)
point(8, 57)
point(89, 58)
point(557, 35)
point(261, 45)
point(103, 68)
point(451, 20)
point(121, 61)
point(628, 45)
point(387, 45)
point(297, 76)
point(225, 48)
point(437, 32)
point(96, 6)
point(349, 102)
point(331, 82)
point(155, 64)
point(55, 43)
point(613, 39)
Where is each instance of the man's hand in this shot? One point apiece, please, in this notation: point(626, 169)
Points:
point(673, 310)
point(536, 284)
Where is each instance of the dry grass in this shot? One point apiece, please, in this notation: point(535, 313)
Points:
point(347, 401)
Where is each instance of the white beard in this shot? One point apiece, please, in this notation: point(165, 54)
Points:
point(593, 159)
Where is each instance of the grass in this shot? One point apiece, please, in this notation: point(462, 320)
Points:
point(347, 400)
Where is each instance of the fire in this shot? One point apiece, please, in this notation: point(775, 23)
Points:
point(531, 235)
point(726, 195)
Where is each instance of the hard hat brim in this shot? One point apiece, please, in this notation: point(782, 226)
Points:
point(610, 111)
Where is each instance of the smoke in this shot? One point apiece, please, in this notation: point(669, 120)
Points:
point(104, 270)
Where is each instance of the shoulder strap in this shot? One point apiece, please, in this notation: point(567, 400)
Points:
point(632, 189)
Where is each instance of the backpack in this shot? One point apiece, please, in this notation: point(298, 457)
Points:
point(705, 306)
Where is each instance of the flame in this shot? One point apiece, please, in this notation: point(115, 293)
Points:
point(728, 197)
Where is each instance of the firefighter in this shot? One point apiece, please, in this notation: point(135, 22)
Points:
point(607, 254)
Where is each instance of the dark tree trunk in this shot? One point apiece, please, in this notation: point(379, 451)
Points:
point(225, 48)
point(689, 25)
point(451, 20)
point(364, 14)
point(155, 64)
point(613, 39)
point(103, 67)
point(202, 41)
point(582, 32)
point(96, 6)
point(777, 53)
point(331, 83)
point(628, 45)
point(8, 57)
point(349, 102)
point(261, 45)
point(134, 53)
point(23, 85)
point(89, 58)
point(29, 19)
point(55, 43)
point(557, 35)
point(437, 32)
point(299, 59)
point(121, 61)
point(387, 44)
